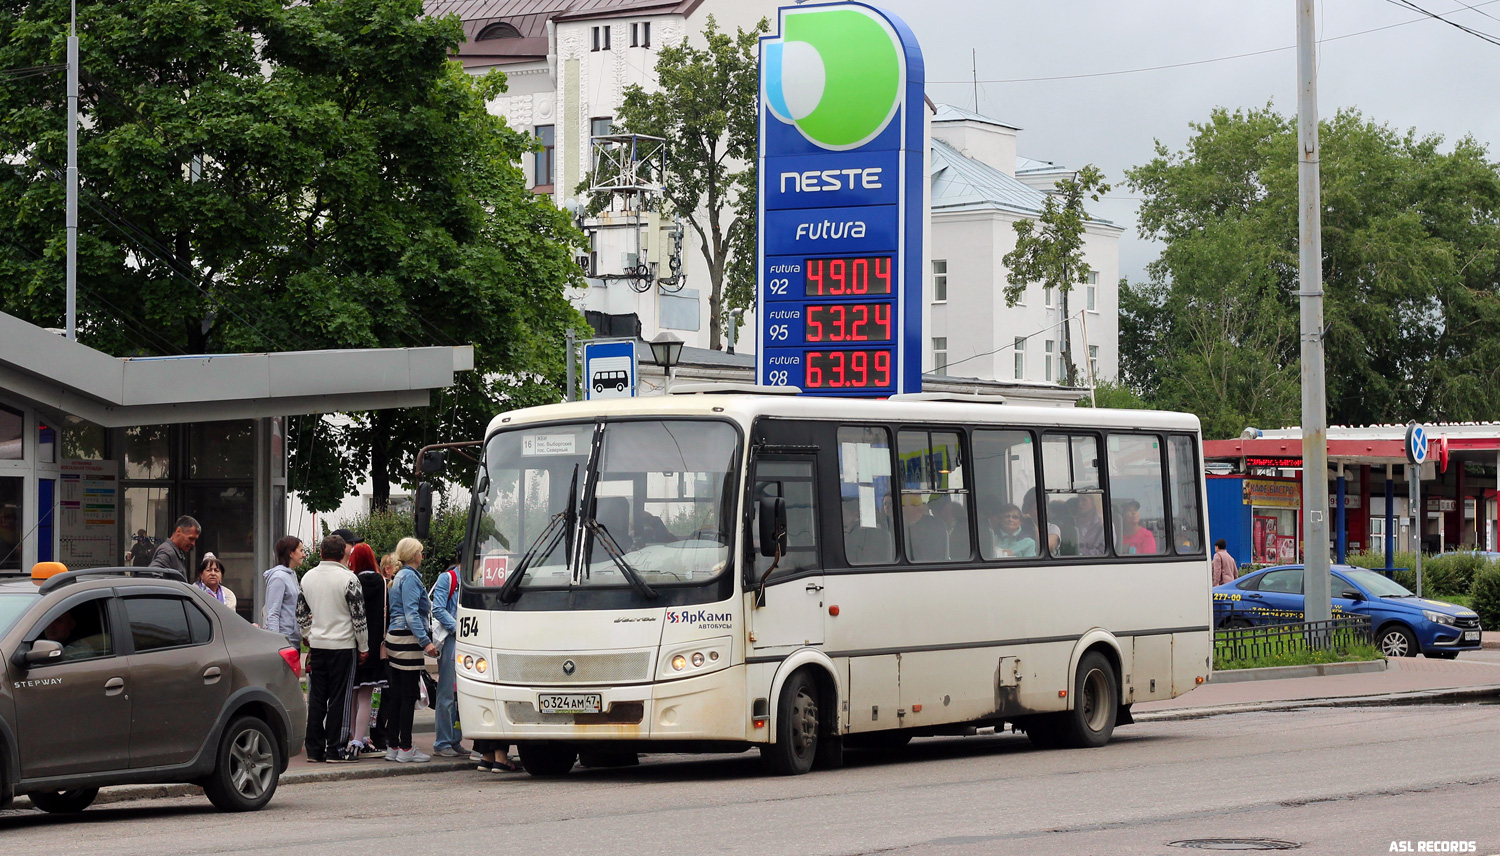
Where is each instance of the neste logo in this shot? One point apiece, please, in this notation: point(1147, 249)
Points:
point(836, 74)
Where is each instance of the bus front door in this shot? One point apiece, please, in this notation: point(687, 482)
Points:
point(791, 614)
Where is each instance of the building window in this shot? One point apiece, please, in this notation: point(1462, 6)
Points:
point(601, 38)
point(546, 135)
point(1047, 296)
point(940, 355)
point(601, 126)
point(1093, 291)
point(1050, 348)
point(939, 280)
point(498, 30)
point(640, 34)
point(1020, 358)
point(1094, 362)
point(646, 34)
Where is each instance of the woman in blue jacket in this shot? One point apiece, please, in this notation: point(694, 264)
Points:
point(406, 640)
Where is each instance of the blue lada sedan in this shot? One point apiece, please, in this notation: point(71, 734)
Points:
point(1404, 624)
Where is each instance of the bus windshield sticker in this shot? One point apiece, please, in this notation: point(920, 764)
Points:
point(533, 445)
point(494, 570)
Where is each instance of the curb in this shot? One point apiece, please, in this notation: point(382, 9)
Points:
point(373, 769)
point(1456, 695)
point(1316, 670)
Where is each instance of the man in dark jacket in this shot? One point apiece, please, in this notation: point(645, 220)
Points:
point(173, 552)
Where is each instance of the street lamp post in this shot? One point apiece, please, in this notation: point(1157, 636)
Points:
point(666, 348)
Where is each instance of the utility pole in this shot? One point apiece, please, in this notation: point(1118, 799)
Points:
point(1317, 606)
point(71, 215)
point(571, 392)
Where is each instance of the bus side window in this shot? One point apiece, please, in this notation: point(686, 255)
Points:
point(866, 496)
point(934, 501)
point(1140, 515)
point(1005, 494)
point(793, 482)
point(1186, 518)
point(1075, 500)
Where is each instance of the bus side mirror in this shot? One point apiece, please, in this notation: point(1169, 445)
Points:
point(423, 509)
point(772, 525)
point(433, 461)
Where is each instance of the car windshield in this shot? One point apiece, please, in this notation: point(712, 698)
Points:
point(12, 607)
point(654, 495)
point(1375, 583)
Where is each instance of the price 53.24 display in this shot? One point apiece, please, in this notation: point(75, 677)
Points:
point(848, 322)
point(856, 369)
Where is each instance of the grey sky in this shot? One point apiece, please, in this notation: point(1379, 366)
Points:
point(1426, 75)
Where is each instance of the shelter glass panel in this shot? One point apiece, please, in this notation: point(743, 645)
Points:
point(148, 452)
point(12, 425)
point(10, 522)
point(221, 450)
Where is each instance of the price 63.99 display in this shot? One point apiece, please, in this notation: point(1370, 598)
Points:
point(862, 369)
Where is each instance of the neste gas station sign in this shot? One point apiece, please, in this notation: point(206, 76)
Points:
point(842, 140)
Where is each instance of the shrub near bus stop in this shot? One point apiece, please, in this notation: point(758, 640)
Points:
point(382, 529)
point(1486, 596)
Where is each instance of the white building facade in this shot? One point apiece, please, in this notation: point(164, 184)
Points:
point(980, 188)
point(569, 63)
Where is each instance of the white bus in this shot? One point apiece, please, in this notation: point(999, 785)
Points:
point(940, 566)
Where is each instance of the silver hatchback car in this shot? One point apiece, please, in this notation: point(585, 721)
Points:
point(118, 676)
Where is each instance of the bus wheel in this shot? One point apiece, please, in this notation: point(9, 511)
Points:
point(796, 745)
point(1096, 702)
point(546, 759)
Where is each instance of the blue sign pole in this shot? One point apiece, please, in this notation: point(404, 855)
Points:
point(840, 203)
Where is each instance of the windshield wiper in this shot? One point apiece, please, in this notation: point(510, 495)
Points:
point(559, 526)
point(616, 555)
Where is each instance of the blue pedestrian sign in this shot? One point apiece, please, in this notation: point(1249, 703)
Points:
point(609, 370)
point(1416, 444)
point(842, 142)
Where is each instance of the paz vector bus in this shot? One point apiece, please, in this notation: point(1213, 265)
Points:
point(703, 571)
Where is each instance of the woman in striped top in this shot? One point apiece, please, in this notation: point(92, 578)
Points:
point(406, 640)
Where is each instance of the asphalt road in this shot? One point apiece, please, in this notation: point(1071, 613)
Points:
point(1335, 780)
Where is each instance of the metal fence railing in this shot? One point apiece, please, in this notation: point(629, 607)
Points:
point(1282, 639)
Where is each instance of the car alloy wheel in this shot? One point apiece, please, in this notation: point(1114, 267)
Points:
point(252, 764)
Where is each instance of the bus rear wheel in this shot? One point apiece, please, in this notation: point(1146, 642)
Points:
point(796, 746)
point(546, 759)
point(1096, 704)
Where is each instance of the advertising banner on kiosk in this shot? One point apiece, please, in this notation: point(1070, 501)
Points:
point(842, 140)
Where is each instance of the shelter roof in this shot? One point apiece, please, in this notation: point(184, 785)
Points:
point(75, 380)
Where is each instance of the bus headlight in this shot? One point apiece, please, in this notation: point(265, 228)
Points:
point(481, 665)
point(695, 658)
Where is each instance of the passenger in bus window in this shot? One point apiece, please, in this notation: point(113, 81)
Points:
point(926, 536)
point(1062, 511)
point(1008, 539)
point(1131, 538)
point(651, 530)
point(1088, 517)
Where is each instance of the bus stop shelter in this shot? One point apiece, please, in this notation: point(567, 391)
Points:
point(95, 449)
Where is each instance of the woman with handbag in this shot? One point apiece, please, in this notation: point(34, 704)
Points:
point(406, 639)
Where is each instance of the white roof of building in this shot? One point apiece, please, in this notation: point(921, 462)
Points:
point(961, 183)
point(949, 113)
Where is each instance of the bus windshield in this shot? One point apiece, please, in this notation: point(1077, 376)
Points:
point(656, 496)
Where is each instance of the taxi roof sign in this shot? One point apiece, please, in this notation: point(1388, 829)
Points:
point(46, 570)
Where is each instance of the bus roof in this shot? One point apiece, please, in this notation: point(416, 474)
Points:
point(745, 408)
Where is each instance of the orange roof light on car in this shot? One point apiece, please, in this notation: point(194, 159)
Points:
point(42, 571)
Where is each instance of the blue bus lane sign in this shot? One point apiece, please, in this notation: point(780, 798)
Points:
point(842, 140)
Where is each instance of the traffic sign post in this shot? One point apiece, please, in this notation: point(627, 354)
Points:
point(609, 369)
point(842, 142)
point(1416, 455)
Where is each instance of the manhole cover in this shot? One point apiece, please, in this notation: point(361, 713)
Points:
point(1235, 844)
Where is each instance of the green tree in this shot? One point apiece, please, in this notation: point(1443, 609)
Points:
point(1114, 395)
point(1411, 266)
point(1049, 250)
point(279, 175)
point(704, 107)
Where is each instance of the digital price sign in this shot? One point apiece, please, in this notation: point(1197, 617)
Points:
point(839, 289)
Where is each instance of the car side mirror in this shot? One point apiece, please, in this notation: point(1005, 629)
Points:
point(772, 525)
point(1351, 594)
point(43, 651)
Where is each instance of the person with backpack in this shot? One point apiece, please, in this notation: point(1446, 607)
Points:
point(444, 596)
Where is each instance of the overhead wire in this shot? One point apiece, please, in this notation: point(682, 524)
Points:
point(1407, 4)
point(1475, 7)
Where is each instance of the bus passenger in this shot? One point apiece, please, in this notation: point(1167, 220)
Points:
point(926, 536)
point(1088, 517)
point(1007, 537)
point(1133, 539)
